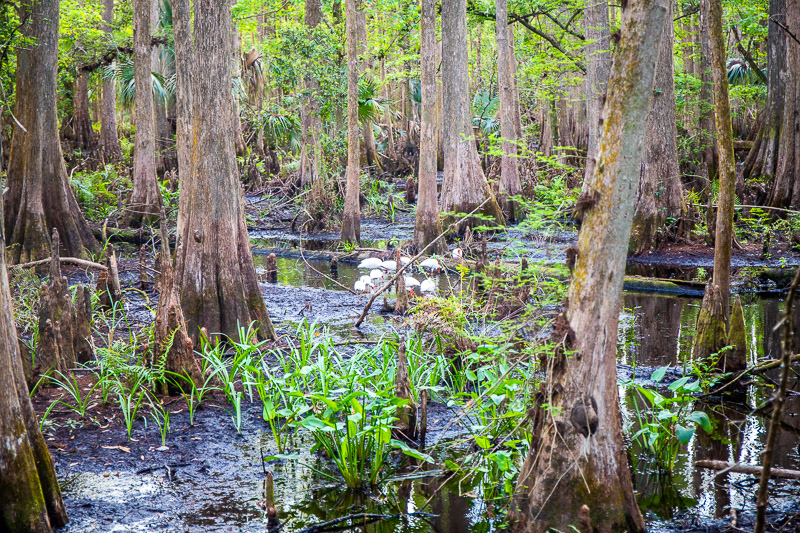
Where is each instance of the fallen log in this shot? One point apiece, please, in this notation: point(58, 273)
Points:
point(71, 260)
point(746, 469)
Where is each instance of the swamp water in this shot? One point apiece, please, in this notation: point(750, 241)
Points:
point(212, 478)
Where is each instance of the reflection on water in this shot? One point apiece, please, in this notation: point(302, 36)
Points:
point(657, 331)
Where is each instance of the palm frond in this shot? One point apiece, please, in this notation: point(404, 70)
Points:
point(740, 73)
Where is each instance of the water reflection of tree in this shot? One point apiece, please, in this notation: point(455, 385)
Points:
point(723, 444)
point(657, 322)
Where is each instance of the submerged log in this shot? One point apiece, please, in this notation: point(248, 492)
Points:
point(747, 469)
point(108, 286)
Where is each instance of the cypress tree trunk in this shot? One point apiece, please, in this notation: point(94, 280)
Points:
point(762, 160)
point(214, 263)
point(786, 189)
point(145, 200)
point(238, 136)
point(182, 30)
point(706, 131)
point(598, 68)
point(39, 196)
point(109, 141)
point(712, 320)
point(464, 187)
point(351, 217)
point(30, 497)
point(427, 224)
point(84, 135)
point(660, 200)
point(310, 151)
point(577, 458)
point(509, 168)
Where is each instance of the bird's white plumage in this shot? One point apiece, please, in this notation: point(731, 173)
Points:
point(375, 274)
point(389, 265)
point(427, 286)
point(431, 264)
point(369, 263)
point(405, 260)
point(411, 281)
point(458, 254)
point(361, 286)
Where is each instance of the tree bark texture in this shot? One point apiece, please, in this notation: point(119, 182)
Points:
point(762, 160)
point(786, 191)
point(598, 68)
point(236, 55)
point(39, 196)
point(214, 263)
point(706, 131)
point(464, 186)
point(30, 496)
point(84, 134)
point(659, 204)
point(577, 455)
point(145, 200)
point(182, 30)
point(351, 217)
point(506, 69)
point(109, 140)
point(427, 225)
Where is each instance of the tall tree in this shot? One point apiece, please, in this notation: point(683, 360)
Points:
point(310, 151)
point(762, 160)
point(712, 320)
point(235, 40)
point(351, 217)
point(659, 203)
point(145, 200)
point(506, 72)
point(598, 68)
point(786, 188)
point(109, 141)
point(39, 196)
point(82, 120)
point(427, 225)
point(214, 264)
point(577, 457)
point(464, 186)
point(30, 497)
point(182, 31)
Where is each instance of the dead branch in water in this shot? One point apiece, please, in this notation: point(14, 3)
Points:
point(72, 260)
point(725, 466)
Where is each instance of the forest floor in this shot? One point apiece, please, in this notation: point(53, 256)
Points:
point(209, 478)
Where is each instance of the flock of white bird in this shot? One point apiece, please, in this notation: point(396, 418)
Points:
point(379, 270)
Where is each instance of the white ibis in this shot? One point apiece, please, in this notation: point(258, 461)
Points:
point(362, 287)
point(369, 263)
point(405, 260)
point(411, 282)
point(431, 264)
point(375, 274)
point(427, 286)
point(390, 266)
point(458, 254)
point(366, 279)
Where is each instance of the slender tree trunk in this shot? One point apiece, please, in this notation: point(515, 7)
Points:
point(351, 217)
point(427, 225)
point(577, 457)
point(598, 68)
point(214, 264)
point(39, 196)
point(509, 167)
point(161, 127)
point(84, 134)
point(712, 320)
point(30, 496)
point(762, 161)
point(706, 131)
point(660, 200)
point(391, 153)
point(182, 30)
point(786, 189)
point(145, 200)
point(309, 113)
point(365, 65)
point(109, 141)
point(464, 187)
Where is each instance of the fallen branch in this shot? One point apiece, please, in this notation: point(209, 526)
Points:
point(757, 369)
point(323, 275)
point(725, 467)
point(72, 260)
point(401, 269)
point(364, 519)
